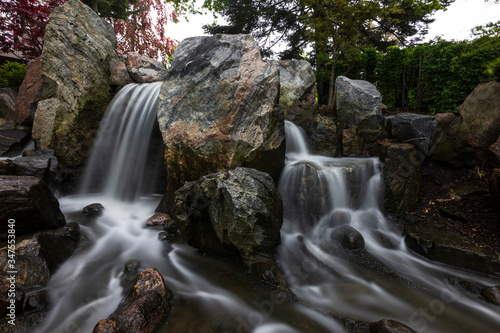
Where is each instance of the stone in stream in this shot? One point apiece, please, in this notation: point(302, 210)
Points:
point(492, 294)
point(347, 237)
point(234, 213)
point(389, 326)
point(144, 307)
point(93, 210)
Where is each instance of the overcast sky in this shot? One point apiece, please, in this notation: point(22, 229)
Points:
point(454, 23)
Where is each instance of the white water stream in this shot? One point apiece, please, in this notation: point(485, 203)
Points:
point(87, 287)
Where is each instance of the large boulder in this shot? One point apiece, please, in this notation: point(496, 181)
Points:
point(78, 47)
point(237, 212)
point(412, 128)
point(39, 255)
point(29, 202)
point(297, 82)
point(402, 175)
point(471, 141)
point(358, 105)
point(217, 110)
point(29, 94)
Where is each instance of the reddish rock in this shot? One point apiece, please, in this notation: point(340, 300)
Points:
point(106, 326)
point(144, 306)
point(158, 219)
point(218, 111)
point(143, 69)
point(29, 94)
point(119, 75)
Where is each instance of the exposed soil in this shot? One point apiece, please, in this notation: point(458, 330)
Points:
point(458, 200)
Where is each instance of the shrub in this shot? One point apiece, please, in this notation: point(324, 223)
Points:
point(12, 75)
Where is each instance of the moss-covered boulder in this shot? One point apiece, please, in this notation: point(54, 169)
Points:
point(78, 47)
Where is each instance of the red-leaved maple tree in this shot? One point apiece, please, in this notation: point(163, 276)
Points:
point(144, 32)
point(22, 27)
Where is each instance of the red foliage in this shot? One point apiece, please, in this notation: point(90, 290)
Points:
point(144, 32)
point(22, 26)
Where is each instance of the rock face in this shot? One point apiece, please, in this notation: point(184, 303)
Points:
point(401, 175)
point(29, 202)
point(297, 82)
point(29, 94)
point(77, 50)
point(237, 212)
point(143, 308)
point(453, 249)
point(12, 141)
point(39, 255)
point(7, 103)
point(217, 110)
point(41, 164)
point(358, 105)
point(412, 128)
point(471, 140)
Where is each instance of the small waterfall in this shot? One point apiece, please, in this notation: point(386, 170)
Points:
point(341, 255)
point(118, 161)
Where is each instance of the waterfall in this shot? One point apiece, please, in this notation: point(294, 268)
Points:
point(118, 161)
point(341, 255)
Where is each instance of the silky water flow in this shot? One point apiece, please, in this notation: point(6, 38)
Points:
point(324, 199)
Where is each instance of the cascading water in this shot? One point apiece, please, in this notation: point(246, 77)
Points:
point(341, 255)
point(321, 196)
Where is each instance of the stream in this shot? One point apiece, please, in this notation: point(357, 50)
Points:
point(341, 257)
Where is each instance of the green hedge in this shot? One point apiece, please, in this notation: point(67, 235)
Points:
point(434, 77)
point(12, 75)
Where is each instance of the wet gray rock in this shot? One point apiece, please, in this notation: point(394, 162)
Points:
point(93, 210)
point(41, 164)
point(218, 111)
point(12, 141)
point(412, 128)
point(7, 103)
point(401, 175)
point(452, 249)
point(347, 237)
point(78, 48)
point(29, 202)
point(492, 294)
point(234, 213)
point(38, 256)
point(338, 218)
point(321, 130)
